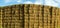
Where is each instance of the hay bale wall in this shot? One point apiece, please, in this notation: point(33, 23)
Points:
point(30, 16)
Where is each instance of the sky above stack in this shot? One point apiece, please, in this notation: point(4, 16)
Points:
point(55, 3)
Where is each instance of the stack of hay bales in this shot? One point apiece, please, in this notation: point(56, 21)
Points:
point(30, 16)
